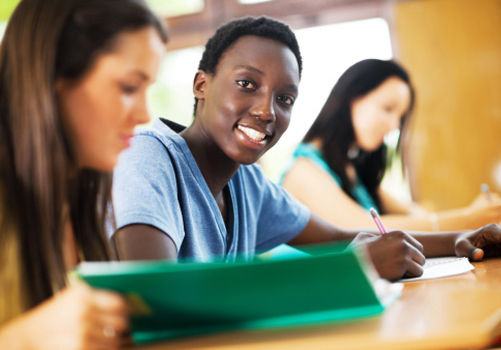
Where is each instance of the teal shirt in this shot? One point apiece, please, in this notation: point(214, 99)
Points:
point(359, 191)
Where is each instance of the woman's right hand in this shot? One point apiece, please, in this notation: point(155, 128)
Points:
point(394, 254)
point(484, 210)
point(78, 317)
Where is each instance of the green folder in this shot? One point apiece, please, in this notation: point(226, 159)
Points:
point(322, 284)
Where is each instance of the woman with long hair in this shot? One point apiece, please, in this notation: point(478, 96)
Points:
point(73, 75)
point(338, 168)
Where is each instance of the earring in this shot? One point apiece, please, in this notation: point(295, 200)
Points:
point(353, 152)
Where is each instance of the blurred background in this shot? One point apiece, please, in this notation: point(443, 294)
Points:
point(452, 49)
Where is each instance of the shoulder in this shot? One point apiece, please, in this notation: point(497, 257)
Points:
point(307, 179)
point(153, 143)
point(313, 154)
point(158, 155)
point(307, 155)
point(157, 135)
point(304, 168)
point(307, 150)
point(310, 164)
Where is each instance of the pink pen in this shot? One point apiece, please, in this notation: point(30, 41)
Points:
point(377, 220)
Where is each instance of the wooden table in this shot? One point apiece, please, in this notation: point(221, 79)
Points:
point(460, 312)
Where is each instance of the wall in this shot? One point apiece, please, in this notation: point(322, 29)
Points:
point(453, 50)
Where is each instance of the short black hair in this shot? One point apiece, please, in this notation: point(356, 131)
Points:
point(229, 33)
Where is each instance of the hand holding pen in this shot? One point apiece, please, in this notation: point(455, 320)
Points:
point(484, 209)
point(394, 254)
point(485, 189)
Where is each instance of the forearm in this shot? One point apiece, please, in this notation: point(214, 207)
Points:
point(455, 220)
point(431, 222)
point(437, 244)
point(447, 220)
point(320, 231)
point(406, 222)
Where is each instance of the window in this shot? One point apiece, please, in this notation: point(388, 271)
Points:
point(3, 26)
point(171, 96)
point(248, 2)
point(173, 8)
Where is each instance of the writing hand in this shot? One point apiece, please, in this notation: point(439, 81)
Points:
point(394, 254)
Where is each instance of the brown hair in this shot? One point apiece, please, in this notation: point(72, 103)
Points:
point(46, 40)
point(334, 126)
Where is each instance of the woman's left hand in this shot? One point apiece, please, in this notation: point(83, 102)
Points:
point(484, 242)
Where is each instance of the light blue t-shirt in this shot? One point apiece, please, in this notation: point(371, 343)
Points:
point(157, 182)
point(359, 191)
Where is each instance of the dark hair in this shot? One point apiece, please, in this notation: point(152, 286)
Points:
point(46, 40)
point(229, 33)
point(334, 126)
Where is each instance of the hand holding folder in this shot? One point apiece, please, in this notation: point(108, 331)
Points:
point(325, 284)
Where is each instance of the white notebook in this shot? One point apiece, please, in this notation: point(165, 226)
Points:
point(442, 267)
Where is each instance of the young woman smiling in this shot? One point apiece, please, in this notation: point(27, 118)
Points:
point(196, 192)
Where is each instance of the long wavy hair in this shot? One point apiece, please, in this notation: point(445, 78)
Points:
point(334, 126)
point(39, 177)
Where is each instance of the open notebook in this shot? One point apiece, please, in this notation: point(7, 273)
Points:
point(442, 267)
point(327, 284)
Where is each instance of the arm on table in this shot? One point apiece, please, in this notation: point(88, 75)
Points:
point(397, 254)
point(326, 199)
